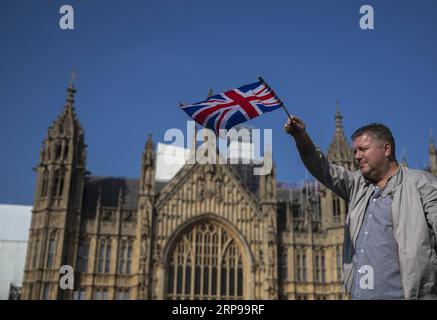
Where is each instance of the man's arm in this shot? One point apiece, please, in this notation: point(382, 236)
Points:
point(428, 192)
point(334, 177)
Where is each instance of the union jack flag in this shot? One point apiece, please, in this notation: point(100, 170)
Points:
point(227, 109)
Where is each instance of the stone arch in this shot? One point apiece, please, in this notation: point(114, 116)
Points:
point(207, 258)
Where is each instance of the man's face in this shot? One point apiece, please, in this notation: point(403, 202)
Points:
point(371, 155)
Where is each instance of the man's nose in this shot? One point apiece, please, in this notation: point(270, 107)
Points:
point(358, 156)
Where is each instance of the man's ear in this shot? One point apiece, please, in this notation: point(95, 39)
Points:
point(387, 149)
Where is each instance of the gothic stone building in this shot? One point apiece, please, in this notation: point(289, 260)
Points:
point(211, 232)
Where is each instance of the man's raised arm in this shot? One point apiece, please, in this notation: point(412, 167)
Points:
point(334, 177)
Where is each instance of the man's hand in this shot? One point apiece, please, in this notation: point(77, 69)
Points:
point(294, 126)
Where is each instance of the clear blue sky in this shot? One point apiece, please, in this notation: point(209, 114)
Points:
point(136, 59)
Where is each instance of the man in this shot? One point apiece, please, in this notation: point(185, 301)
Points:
point(390, 247)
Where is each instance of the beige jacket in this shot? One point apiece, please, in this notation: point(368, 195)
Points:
point(414, 212)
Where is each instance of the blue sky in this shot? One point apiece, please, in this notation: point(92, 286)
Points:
point(136, 59)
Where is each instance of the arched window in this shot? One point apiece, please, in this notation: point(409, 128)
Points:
point(59, 182)
point(101, 256)
point(129, 258)
point(338, 259)
point(45, 183)
point(206, 263)
point(82, 256)
point(125, 257)
point(46, 291)
point(51, 252)
point(58, 150)
point(336, 206)
point(108, 256)
point(122, 257)
point(66, 151)
point(284, 264)
point(35, 253)
point(104, 260)
point(301, 265)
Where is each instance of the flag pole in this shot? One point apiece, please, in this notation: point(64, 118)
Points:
point(276, 96)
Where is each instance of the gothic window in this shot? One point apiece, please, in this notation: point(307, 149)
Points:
point(45, 183)
point(66, 151)
point(30, 290)
point(58, 151)
point(206, 263)
point(98, 294)
point(51, 252)
point(284, 264)
point(35, 254)
point(323, 266)
point(108, 256)
point(301, 268)
point(123, 294)
point(125, 257)
point(298, 268)
point(59, 182)
point(129, 258)
point(101, 256)
point(296, 210)
point(79, 294)
point(104, 261)
point(320, 268)
point(122, 257)
point(101, 294)
point(318, 209)
point(339, 263)
point(82, 257)
point(336, 206)
point(46, 291)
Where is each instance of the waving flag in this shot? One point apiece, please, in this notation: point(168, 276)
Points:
point(227, 109)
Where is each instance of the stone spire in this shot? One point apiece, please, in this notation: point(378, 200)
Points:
point(339, 151)
point(67, 123)
point(147, 182)
point(432, 155)
point(404, 157)
point(149, 143)
point(194, 139)
point(210, 93)
point(338, 118)
point(65, 140)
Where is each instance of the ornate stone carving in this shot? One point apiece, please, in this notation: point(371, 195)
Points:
point(143, 251)
point(128, 216)
point(157, 254)
point(210, 183)
point(108, 215)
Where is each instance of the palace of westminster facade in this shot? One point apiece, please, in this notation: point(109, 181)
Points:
point(211, 232)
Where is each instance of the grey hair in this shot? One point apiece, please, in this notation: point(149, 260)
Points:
point(379, 132)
